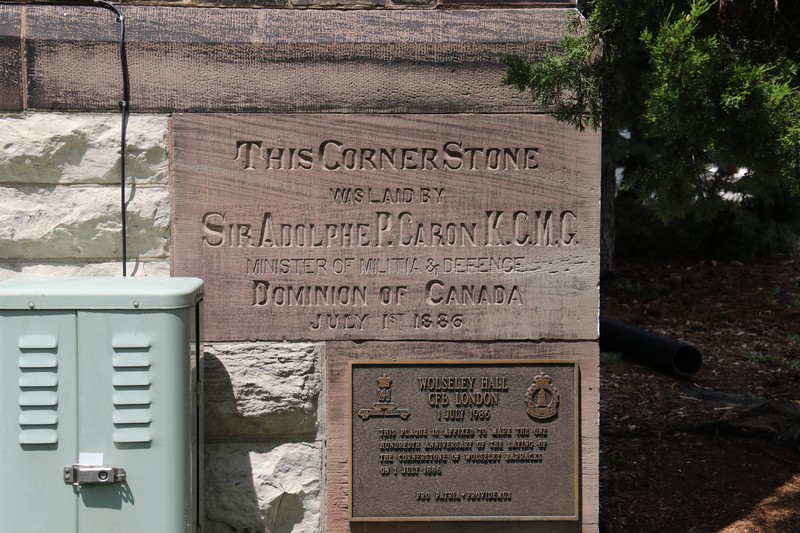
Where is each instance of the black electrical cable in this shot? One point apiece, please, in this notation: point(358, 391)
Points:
point(123, 104)
point(125, 110)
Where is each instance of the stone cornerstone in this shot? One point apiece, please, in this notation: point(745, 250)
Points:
point(59, 193)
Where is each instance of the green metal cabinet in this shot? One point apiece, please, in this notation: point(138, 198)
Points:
point(100, 408)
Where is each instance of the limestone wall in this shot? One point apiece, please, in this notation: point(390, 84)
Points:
point(60, 216)
point(60, 197)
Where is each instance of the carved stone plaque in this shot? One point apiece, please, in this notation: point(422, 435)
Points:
point(323, 227)
point(464, 441)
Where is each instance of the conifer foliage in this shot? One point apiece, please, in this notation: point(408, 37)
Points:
point(698, 100)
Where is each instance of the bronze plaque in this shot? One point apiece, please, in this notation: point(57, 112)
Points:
point(354, 227)
point(464, 441)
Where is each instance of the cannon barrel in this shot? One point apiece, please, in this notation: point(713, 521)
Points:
point(665, 354)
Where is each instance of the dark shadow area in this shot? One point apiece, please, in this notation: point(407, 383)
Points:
point(224, 422)
point(106, 496)
point(750, 230)
point(231, 503)
point(134, 445)
point(717, 453)
point(287, 513)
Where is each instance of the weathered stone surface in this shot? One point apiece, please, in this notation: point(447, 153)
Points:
point(59, 201)
point(63, 208)
point(50, 222)
point(340, 3)
point(204, 3)
point(414, 3)
point(311, 193)
point(138, 268)
point(287, 60)
point(52, 148)
point(262, 389)
point(261, 488)
point(10, 63)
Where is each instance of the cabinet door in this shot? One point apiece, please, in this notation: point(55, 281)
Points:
point(135, 408)
point(38, 420)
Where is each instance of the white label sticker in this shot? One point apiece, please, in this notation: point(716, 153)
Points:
point(90, 459)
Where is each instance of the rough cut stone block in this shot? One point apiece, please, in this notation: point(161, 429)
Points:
point(415, 3)
point(240, 60)
point(52, 148)
point(304, 226)
point(205, 3)
point(339, 3)
point(262, 389)
point(10, 63)
point(262, 488)
point(81, 222)
point(24, 268)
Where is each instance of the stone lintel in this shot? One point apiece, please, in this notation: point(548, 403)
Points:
point(271, 60)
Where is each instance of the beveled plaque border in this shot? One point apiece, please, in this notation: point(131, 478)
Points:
point(468, 362)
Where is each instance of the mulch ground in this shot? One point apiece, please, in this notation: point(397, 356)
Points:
point(718, 452)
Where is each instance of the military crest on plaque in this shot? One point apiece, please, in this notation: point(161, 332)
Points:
point(542, 398)
point(384, 406)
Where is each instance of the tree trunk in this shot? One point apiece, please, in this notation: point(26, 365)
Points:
point(608, 193)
